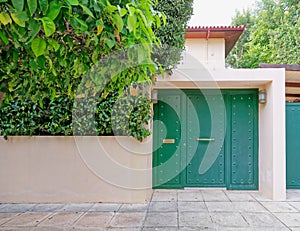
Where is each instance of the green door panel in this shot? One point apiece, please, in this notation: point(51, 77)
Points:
point(205, 162)
point(206, 139)
point(292, 145)
point(167, 156)
point(243, 167)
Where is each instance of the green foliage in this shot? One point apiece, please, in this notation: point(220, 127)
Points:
point(116, 115)
point(178, 13)
point(48, 48)
point(235, 57)
point(25, 117)
point(272, 35)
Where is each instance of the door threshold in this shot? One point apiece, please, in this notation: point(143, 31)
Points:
point(199, 188)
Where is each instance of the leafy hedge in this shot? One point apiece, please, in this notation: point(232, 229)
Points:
point(116, 115)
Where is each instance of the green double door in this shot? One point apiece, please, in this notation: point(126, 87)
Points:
point(205, 139)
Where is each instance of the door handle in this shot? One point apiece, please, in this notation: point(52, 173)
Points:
point(168, 141)
point(205, 139)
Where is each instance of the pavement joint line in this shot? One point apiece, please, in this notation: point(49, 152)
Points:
point(147, 211)
point(17, 214)
point(73, 225)
point(253, 197)
point(289, 202)
point(226, 195)
point(244, 219)
point(272, 214)
point(115, 212)
point(49, 214)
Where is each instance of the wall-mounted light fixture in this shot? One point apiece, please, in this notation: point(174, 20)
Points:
point(262, 96)
point(154, 96)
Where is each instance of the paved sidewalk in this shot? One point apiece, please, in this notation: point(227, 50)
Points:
point(189, 209)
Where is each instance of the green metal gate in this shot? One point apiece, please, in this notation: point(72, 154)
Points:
point(292, 145)
point(205, 139)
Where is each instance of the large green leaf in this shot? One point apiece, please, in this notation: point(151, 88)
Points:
point(34, 28)
point(131, 23)
point(32, 6)
point(20, 18)
point(78, 24)
point(54, 44)
point(87, 11)
point(38, 46)
point(49, 26)
point(18, 4)
point(54, 9)
point(110, 42)
point(118, 22)
point(44, 5)
point(3, 37)
point(73, 2)
point(4, 18)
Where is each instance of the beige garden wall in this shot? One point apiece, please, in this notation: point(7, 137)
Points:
point(75, 169)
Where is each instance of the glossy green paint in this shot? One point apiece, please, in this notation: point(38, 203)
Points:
point(167, 159)
point(215, 136)
point(242, 154)
point(205, 166)
point(292, 145)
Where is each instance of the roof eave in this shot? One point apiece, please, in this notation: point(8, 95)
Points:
point(230, 33)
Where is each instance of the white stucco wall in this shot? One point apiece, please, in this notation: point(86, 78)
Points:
point(211, 52)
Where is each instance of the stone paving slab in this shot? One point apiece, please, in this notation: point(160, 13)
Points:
point(262, 220)
point(27, 219)
point(229, 219)
point(239, 196)
point(189, 209)
point(128, 220)
point(161, 219)
point(165, 206)
point(277, 207)
point(218, 206)
point(190, 196)
point(248, 206)
point(94, 220)
point(214, 195)
point(192, 206)
point(296, 205)
point(5, 217)
point(289, 219)
point(164, 196)
point(129, 208)
point(194, 219)
point(61, 220)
